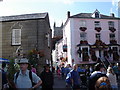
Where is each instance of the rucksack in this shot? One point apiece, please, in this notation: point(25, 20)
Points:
point(103, 83)
point(68, 78)
point(30, 76)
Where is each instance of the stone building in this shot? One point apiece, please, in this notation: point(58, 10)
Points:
point(24, 34)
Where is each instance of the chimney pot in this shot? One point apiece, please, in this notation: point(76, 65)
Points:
point(112, 15)
point(68, 13)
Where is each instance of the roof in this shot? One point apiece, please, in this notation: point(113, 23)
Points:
point(24, 17)
point(89, 15)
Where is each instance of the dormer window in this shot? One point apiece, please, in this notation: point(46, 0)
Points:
point(96, 14)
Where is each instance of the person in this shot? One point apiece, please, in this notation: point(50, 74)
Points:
point(22, 78)
point(67, 70)
point(99, 69)
point(62, 70)
point(4, 79)
point(116, 70)
point(58, 72)
point(112, 77)
point(75, 78)
point(47, 78)
point(33, 69)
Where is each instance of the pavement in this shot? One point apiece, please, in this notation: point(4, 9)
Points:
point(59, 83)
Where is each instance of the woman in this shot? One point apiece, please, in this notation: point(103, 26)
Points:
point(112, 77)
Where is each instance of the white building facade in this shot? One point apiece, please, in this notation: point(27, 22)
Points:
point(89, 36)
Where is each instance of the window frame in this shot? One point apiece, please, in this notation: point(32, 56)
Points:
point(97, 23)
point(98, 36)
point(82, 23)
point(84, 36)
point(16, 37)
point(111, 24)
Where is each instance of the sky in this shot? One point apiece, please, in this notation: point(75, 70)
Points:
point(57, 9)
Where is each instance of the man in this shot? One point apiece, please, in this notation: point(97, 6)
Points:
point(47, 78)
point(23, 79)
point(99, 72)
point(75, 78)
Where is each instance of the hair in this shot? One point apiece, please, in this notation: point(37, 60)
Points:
point(98, 66)
point(3, 64)
point(103, 83)
point(110, 70)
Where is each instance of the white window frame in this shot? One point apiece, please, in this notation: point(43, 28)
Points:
point(97, 23)
point(16, 37)
point(111, 23)
point(82, 23)
point(83, 36)
point(98, 36)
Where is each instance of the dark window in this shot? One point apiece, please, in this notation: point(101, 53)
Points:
point(96, 15)
point(112, 36)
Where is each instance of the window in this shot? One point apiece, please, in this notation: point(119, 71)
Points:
point(83, 36)
point(112, 36)
point(16, 37)
point(96, 15)
point(98, 36)
point(111, 24)
point(97, 23)
point(82, 23)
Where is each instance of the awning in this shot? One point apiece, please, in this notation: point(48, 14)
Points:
point(4, 60)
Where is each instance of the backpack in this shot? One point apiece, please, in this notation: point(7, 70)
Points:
point(68, 78)
point(102, 83)
point(30, 76)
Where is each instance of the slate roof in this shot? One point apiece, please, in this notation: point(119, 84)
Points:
point(89, 15)
point(24, 17)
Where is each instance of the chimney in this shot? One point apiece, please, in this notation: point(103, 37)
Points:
point(68, 14)
point(112, 15)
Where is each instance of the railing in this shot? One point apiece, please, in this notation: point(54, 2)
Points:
point(105, 62)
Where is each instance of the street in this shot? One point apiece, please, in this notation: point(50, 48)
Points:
point(59, 83)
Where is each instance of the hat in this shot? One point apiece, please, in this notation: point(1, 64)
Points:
point(23, 60)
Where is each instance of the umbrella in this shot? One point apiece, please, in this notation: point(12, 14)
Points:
point(4, 60)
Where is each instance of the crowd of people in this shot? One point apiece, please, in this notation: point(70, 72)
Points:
point(91, 77)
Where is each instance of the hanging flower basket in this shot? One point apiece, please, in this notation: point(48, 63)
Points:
point(83, 42)
point(112, 29)
point(83, 28)
point(98, 29)
point(41, 53)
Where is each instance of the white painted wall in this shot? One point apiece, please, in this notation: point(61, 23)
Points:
point(71, 32)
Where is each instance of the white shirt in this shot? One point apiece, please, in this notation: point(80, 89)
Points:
point(112, 78)
point(23, 80)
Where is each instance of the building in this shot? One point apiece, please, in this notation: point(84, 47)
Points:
point(24, 34)
point(57, 31)
point(90, 37)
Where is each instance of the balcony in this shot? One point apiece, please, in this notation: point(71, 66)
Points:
point(98, 29)
point(83, 28)
point(113, 42)
point(112, 29)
